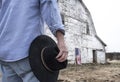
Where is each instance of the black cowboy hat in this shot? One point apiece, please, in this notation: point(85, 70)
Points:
point(42, 53)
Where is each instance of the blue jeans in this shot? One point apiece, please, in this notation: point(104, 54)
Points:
point(19, 71)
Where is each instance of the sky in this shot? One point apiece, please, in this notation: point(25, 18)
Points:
point(106, 18)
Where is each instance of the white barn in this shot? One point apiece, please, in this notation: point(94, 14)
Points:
point(80, 32)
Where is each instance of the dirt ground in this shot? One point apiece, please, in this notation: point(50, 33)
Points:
point(91, 73)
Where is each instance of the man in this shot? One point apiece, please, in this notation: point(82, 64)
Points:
point(21, 21)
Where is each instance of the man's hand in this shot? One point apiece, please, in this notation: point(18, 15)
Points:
point(62, 56)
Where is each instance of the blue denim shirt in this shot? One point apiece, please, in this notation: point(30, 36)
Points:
point(23, 20)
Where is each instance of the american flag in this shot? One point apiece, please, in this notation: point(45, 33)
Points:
point(77, 56)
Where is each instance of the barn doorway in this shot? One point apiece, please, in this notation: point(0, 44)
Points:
point(94, 56)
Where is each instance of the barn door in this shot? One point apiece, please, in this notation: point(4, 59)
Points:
point(94, 56)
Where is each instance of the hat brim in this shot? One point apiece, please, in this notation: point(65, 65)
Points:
point(42, 74)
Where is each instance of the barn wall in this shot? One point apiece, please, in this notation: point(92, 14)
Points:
point(76, 20)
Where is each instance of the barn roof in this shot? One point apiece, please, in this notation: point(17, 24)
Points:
point(100, 40)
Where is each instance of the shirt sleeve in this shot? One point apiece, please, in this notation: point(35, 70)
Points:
point(51, 14)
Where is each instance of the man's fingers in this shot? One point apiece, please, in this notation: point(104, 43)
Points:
point(58, 56)
point(63, 56)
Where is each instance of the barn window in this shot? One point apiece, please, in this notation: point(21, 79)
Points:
point(80, 0)
point(63, 18)
point(87, 29)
